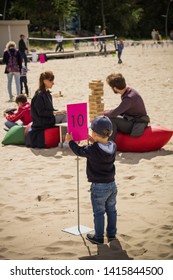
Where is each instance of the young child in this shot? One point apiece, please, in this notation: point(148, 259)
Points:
point(101, 173)
point(23, 113)
point(120, 47)
point(23, 79)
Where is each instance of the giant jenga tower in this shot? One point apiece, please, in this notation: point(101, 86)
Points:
point(96, 103)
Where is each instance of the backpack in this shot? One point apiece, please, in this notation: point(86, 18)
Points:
point(12, 65)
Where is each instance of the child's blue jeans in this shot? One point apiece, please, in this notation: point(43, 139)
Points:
point(103, 198)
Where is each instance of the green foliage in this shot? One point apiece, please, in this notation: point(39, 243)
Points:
point(125, 18)
point(65, 8)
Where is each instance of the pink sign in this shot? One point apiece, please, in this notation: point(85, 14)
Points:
point(77, 121)
point(42, 58)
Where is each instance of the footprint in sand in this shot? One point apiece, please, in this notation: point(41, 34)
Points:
point(8, 238)
point(164, 256)
point(66, 176)
point(54, 213)
point(148, 192)
point(53, 249)
point(2, 257)
point(2, 250)
point(24, 219)
point(59, 250)
point(137, 252)
point(125, 237)
point(11, 208)
point(2, 205)
point(158, 166)
point(167, 227)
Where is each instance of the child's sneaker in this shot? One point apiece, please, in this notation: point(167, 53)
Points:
point(111, 238)
point(94, 240)
point(6, 129)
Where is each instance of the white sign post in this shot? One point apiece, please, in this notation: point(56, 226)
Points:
point(77, 124)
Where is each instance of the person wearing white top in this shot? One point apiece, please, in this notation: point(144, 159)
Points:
point(59, 39)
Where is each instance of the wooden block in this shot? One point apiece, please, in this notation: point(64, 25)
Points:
point(100, 114)
point(96, 81)
point(98, 90)
point(92, 113)
point(97, 93)
point(95, 99)
point(96, 107)
point(94, 85)
point(95, 102)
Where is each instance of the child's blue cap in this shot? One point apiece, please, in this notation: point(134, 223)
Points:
point(101, 124)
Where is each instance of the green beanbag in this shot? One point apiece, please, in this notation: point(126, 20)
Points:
point(15, 136)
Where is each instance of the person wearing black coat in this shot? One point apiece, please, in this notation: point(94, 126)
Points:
point(23, 48)
point(42, 112)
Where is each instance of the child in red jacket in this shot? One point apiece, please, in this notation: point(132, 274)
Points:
point(23, 113)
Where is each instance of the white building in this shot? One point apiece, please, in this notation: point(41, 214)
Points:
point(10, 30)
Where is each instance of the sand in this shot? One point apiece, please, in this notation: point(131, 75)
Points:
point(39, 187)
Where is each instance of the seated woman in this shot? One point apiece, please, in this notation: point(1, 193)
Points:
point(42, 111)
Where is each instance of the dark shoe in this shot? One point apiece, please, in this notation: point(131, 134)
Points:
point(94, 240)
point(111, 238)
point(6, 129)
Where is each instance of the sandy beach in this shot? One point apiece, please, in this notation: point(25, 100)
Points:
point(38, 187)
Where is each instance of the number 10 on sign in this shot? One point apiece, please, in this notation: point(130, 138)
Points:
point(77, 121)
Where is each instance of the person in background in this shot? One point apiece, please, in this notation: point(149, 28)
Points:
point(153, 34)
point(130, 117)
point(95, 42)
point(23, 113)
point(23, 48)
point(23, 79)
point(13, 61)
point(120, 47)
point(100, 171)
point(59, 39)
point(76, 44)
point(102, 42)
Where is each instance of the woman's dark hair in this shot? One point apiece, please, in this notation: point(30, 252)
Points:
point(48, 75)
point(116, 80)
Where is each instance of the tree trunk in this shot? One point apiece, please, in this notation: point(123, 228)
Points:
point(103, 15)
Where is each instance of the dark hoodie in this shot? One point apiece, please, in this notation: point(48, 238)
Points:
point(100, 160)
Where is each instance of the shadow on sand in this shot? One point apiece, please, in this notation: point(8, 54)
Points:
point(110, 251)
point(134, 158)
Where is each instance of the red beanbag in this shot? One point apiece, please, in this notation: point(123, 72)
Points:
point(51, 136)
point(153, 138)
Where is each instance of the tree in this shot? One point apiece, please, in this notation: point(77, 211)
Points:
point(125, 18)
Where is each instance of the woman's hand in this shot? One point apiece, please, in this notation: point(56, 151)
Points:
point(63, 112)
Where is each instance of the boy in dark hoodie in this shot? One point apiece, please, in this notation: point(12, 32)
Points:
point(101, 173)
